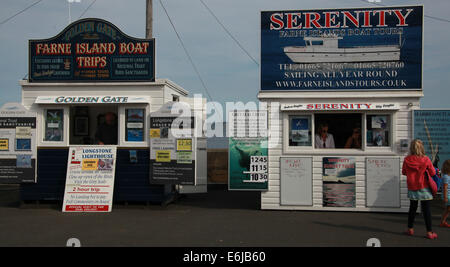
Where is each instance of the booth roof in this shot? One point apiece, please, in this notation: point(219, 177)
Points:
point(165, 82)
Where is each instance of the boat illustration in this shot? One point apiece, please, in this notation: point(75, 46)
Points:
point(326, 49)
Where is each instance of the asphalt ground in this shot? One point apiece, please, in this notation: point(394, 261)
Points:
point(217, 219)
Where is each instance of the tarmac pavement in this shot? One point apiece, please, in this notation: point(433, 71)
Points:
point(217, 219)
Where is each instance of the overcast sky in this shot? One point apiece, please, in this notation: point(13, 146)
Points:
point(229, 74)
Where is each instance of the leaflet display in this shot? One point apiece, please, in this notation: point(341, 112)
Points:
point(17, 144)
point(172, 149)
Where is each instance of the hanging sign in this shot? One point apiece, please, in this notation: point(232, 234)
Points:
point(342, 49)
point(17, 144)
point(90, 179)
point(91, 50)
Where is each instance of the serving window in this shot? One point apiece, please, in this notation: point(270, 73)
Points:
point(346, 131)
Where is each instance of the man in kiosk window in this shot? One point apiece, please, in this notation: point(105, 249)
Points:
point(323, 138)
point(107, 132)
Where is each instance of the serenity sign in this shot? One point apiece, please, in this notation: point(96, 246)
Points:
point(92, 50)
point(341, 49)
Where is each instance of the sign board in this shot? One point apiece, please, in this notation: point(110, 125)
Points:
point(172, 154)
point(339, 182)
point(107, 99)
point(433, 128)
point(383, 182)
point(91, 50)
point(90, 179)
point(248, 164)
point(342, 49)
point(296, 181)
point(340, 106)
point(17, 144)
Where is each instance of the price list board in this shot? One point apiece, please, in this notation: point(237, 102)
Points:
point(248, 153)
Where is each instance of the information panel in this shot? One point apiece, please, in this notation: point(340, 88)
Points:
point(296, 181)
point(433, 128)
point(383, 182)
point(341, 49)
point(90, 179)
point(172, 155)
point(17, 144)
point(91, 50)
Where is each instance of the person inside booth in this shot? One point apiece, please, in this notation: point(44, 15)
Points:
point(106, 133)
point(323, 138)
point(354, 141)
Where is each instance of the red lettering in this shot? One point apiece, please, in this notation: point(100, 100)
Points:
point(279, 24)
point(309, 21)
point(292, 19)
point(353, 19)
point(329, 18)
point(382, 17)
point(401, 18)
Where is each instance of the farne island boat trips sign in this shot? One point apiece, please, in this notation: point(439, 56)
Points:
point(91, 50)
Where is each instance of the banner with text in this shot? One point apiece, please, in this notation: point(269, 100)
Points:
point(341, 49)
point(90, 179)
point(91, 50)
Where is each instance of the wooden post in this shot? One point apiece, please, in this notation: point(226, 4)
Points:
point(149, 20)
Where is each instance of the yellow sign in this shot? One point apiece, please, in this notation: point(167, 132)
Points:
point(4, 144)
point(184, 144)
point(163, 156)
point(155, 133)
point(90, 165)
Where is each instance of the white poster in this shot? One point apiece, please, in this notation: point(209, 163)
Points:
point(90, 179)
point(383, 182)
point(296, 181)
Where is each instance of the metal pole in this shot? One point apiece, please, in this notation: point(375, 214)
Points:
point(149, 20)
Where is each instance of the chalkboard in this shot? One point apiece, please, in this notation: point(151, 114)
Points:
point(383, 182)
point(296, 181)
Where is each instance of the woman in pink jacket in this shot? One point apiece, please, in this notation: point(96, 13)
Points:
point(414, 167)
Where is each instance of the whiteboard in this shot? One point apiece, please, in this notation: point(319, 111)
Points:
point(296, 181)
point(383, 182)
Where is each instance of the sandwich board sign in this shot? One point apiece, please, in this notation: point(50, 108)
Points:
point(90, 179)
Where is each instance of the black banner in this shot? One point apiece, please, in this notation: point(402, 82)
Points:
point(20, 170)
point(91, 50)
point(13, 122)
point(172, 173)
